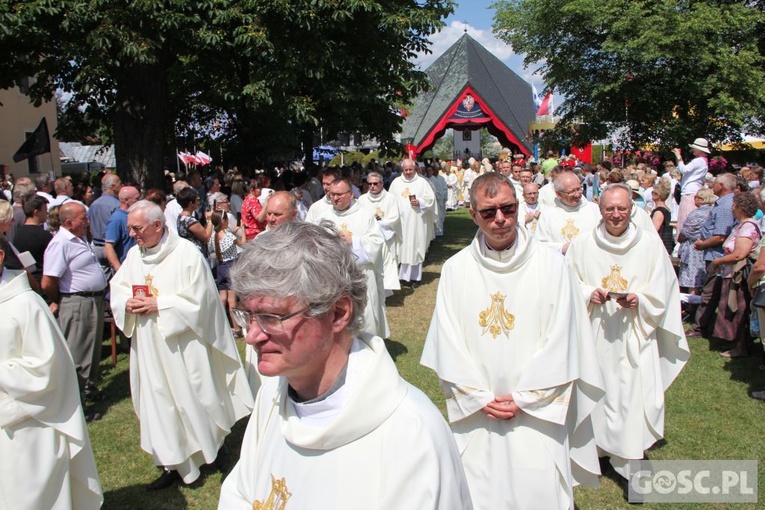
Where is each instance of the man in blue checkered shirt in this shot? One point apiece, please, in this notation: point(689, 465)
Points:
point(713, 234)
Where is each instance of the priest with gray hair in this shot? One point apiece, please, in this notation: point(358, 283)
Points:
point(186, 376)
point(334, 422)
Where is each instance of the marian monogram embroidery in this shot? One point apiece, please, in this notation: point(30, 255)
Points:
point(344, 230)
point(614, 281)
point(277, 499)
point(496, 319)
point(379, 213)
point(569, 230)
point(152, 289)
point(406, 193)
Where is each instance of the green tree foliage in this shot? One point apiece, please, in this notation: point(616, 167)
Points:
point(667, 70)
point(268, 72)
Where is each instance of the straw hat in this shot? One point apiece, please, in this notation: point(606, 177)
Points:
point(700, 144)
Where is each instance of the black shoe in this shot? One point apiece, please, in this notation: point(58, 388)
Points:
point(223, 460)
point(165, 480)
point(415, 284)
point(93, 397)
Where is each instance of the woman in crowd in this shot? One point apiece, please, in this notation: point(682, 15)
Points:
point(238, 191)
point(223, 245)
point(693, 174)
point(692, 267)
point(84, 193)
point(253, 213)
point(661, 215)
point(188, 226)
point(732, 321)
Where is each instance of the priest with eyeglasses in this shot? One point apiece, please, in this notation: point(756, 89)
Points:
point(186, 376)
point(512, 348)
point(334, 425)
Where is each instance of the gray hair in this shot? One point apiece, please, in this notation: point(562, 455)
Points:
point(308, 262)
point(613, 187)
point(152, 211)
point(378, 175)
point(727, 181)
point(42, 180)
point(178, 186)
point(558, 181)
point(108, 181)
point(6, 211)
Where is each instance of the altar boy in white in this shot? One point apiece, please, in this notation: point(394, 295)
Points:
point(510, 343)
point(634, 309)
point(45, 456)
point(339, 428)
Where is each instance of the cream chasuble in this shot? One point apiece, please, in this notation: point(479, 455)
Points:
point(367, 245)
point(414, 220)
point(318, 208)
point(386, 447)
point(547, 195)
point(515, 324)
point(641, 351)
point(453, 184)
point(523, 210)
point(560, 224)
point(384, 207)
point(46, 461)
point(186, 376)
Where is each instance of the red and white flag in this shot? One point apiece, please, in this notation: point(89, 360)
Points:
point(202, 158)
point(547, 106)
point(186, 158)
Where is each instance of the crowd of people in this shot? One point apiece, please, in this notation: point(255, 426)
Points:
point(555, 333)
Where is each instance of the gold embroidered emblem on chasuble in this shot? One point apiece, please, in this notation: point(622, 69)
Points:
point(496, 319)
point(406, 193)
point(569, 230)
point(344, 230)
point(379, 213)
point(277, 499)
point(614, 281)
point(152, 289)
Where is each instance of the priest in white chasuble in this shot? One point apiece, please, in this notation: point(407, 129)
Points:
point(359, 229)
point(571, 215)
point(384, 208)
point(46, 460)
point(323, 204)
point(634, 308)
point(416, 203)
point(511, 345)
point(186, 376)
point(335, 426)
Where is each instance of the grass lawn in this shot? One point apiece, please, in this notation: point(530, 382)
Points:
point(709, 414)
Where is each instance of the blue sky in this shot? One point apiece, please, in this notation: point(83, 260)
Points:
point(477, 17)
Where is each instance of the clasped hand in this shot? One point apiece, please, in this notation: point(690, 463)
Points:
point(141, 305)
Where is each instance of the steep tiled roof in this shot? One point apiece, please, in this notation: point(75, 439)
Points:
point(468, 64)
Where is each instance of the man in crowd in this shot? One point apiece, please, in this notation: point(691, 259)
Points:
point(173, 208)
point(23, 187)
point(529, 209)
point(359, 229)
point(186, 376)
point(634, 309)
point(384, 207)
point(44, 186)
point(339, 425)
point(98, 215)
point(323, 204)
point(570, 216)
point(714, 231)
point(281, 207)
point(548, 164)
point(47, 458)
point(519, 390)
point(31, 236)
point(75, 285)
point(415, 201)
point(117, 239)
point(64, 191)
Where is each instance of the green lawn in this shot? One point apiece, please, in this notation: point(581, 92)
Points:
point(709, 414)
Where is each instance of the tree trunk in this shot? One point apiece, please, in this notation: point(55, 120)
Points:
point(307, 136)
point(139, 124)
